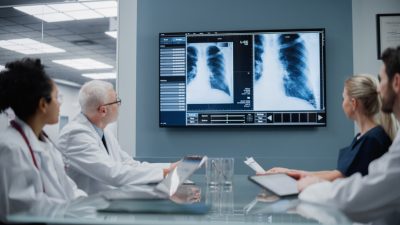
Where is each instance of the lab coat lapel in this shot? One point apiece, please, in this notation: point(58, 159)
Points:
point(111, 146)
point(83, 119)
point(53, 182)
point(101, 145)
point(47, 169)
point(30, 135)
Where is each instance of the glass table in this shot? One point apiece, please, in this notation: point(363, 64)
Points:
point(242, 203)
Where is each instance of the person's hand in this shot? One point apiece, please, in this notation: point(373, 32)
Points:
point(277, 170)
point(303, 183)
point(296, 174)
point(187, 194)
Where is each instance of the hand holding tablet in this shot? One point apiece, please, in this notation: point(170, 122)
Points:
point(278, 183)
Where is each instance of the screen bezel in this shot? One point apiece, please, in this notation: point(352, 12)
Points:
point(322, 80)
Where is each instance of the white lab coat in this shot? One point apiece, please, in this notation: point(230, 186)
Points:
point(373, 198)
point(3, 122)
point(92, 168)
point(5, 118)
point(22, 185)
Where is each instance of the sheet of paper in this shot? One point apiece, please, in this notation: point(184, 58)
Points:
point(254, 165)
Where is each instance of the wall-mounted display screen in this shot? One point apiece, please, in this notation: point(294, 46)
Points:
point(242, 78)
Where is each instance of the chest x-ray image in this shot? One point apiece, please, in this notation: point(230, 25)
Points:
point(209, 75)
point(286, 71)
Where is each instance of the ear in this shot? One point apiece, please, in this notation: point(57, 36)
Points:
point(102, 110)
point(396, 83)
point(354, 103)
point(42, 106)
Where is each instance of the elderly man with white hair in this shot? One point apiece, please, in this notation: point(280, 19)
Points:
point(93, 156)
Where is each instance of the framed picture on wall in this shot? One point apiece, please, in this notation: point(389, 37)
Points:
point(388, 31)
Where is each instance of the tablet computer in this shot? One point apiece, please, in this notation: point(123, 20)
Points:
point(184, 169)
point(278, 183)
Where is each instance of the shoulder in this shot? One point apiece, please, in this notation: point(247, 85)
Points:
point(396, 143)
point(377, 134)
point(375, 141)
point(10, 137)
point(78, 125)
point(79, 129)
point(11, 144)
point(377, 131)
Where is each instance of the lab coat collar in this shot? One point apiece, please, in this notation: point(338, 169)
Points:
point(96, 128)
point(30, 135)
point(82, 118)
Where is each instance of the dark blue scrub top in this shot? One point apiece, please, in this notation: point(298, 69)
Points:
point(356, 157)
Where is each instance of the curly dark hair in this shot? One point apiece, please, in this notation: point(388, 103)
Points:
point(22, 84)
point(391, 59)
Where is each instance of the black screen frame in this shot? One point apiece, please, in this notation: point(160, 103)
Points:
point(322, 78)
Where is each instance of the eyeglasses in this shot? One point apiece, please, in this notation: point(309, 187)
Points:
point(60, 98)
point(118, 101)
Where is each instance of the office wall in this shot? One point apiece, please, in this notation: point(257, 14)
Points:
point(364, 32)
point(302, 147)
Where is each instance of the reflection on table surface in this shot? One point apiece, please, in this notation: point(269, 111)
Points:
point(242, 203)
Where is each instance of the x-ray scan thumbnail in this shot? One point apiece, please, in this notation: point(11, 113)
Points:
point(209, 73)
point(286, 71)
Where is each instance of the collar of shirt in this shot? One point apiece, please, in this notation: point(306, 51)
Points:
point(99, 131)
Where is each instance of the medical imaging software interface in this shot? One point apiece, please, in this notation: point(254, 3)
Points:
point(242, 78)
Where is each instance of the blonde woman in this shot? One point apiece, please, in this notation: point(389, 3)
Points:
point(361, 103)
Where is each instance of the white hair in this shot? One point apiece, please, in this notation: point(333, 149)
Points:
point(93, 94)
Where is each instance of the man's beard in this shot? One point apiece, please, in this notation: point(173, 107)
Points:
point(388, 101)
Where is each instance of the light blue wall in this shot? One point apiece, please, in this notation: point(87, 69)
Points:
point(300, 147)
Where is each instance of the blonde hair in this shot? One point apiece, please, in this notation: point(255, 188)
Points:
point(364, 88)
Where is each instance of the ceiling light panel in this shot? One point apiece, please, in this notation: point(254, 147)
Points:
point(107, 12)
point(68, 7)
point(35, 9)
point(111, 33)
point(54, 17)
point(100, 76)
point(101, 4)
point(84, 14)
point(83, 64)
point(66, 82)
point(71, 11)
point(29, 46)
